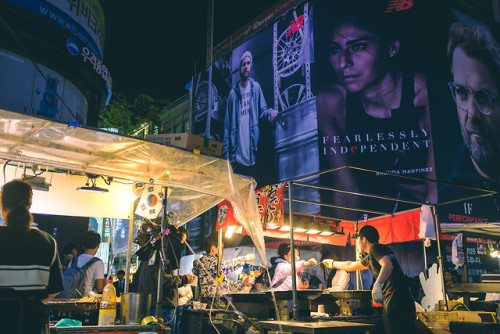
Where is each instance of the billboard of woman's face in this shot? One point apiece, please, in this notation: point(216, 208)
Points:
point(372, 107)
point(358, 57)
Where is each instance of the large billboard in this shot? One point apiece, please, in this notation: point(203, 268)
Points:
point(408, 88)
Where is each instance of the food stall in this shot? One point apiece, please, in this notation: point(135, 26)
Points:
point(398, 226)
point(67, 155)
point(197, 183)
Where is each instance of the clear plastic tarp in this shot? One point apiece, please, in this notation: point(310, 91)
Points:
point(197, 181)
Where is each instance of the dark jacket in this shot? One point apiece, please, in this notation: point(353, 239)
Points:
point(146, 279)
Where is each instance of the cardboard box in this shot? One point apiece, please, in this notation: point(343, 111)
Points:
point(438, 322)
point(189, 141)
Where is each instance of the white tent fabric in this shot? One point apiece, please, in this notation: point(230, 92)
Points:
point(198, 182)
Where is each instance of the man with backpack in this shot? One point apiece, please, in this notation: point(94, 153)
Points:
point(85, 273)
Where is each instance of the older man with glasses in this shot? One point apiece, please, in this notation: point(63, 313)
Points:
point(475, 65)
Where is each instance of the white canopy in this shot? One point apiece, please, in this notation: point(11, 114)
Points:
point(198, 182)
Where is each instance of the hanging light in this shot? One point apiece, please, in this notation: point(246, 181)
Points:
point(285, 228)
point(230, 231)
point(300, 227)
point(91, 185)
point(493, 251)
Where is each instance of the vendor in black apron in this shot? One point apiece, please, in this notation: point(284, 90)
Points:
point(390, 287)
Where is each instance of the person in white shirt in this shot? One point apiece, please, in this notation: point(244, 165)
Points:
point(282, 279)
point(94, 280)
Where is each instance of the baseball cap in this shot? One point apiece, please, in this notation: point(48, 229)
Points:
point(369, 232)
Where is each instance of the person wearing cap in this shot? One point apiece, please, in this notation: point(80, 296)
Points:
point(390, 287)
point(246, 107)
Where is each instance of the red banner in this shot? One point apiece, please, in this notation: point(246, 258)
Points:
point(270, 201)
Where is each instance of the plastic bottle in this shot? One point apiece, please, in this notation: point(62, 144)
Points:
point(107, 311)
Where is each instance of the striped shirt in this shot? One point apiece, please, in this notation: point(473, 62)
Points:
point(29, 270)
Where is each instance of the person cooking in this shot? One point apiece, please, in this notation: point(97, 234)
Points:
point(282, 279)
point(390, 287)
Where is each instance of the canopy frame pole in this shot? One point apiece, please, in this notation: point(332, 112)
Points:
point(440, 257)
point(159, 291)
point(219, 267)
point(292, 253)
point(465, 268)
point(425, 259)
point(357, 256)
point(129, 247)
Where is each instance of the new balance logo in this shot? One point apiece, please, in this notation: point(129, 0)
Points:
point(398, 5)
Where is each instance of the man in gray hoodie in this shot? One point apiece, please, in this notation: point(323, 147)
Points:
point(246, 106)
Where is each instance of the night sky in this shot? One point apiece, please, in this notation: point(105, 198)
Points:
point(152, 46)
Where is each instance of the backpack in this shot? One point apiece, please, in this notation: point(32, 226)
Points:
point(74, 278)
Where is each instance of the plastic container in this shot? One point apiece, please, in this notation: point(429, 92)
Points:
point(107, 311)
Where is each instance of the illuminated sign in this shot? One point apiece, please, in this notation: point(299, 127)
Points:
point(82, 18)
point(89, 56)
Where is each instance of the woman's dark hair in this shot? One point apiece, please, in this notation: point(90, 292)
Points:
point(368, 15)
point(454, 275)
point(283, 249)
point(287, 250)
point(209, 242)
point(16, 198)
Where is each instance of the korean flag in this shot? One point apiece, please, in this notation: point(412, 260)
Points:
point(151, 201)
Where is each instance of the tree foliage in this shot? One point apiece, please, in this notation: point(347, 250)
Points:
point(127, 115)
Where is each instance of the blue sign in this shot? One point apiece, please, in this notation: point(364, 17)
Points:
point(73, 46)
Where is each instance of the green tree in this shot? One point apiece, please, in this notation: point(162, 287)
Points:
point(119, 115)
point(128, 117)
point(147, 109)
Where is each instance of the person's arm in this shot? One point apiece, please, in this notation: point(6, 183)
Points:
point(385, 270)
point(264, 112)
point(100, 281)
point(99, 284)
point(55, 284)
point(49, 297)
point(233, 264)
point(345, 265)
point(173, 280)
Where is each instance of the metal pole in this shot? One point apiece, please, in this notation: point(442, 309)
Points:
point(357, 257)
point(210, 32)
point(440, 258)
point(129, 246)
point(191, 104)
point(159, 291)
point(425, 258)
point(292, 254)
point(210, 104)
point(465, 268)
point(219, 267)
